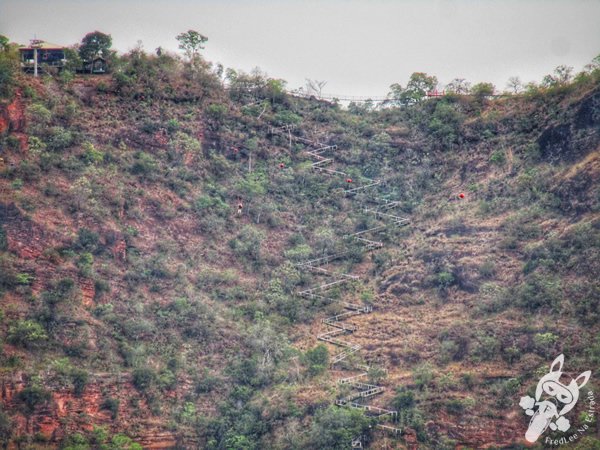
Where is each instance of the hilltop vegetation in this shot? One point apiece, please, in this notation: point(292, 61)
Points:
point(139, 308)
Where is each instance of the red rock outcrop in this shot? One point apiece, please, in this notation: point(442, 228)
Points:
point(13, 119)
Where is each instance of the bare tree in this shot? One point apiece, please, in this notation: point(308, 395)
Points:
point(459, 86)
point(514, 85)
point(315, 87)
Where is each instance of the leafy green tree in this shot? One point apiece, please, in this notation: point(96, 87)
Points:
point(33, 396)
point(416, 89)
point(445, 124)
point(334, 428)
point(482, 90)
point(3, 43)
point(191, 43)
point(317, 359)
point(95, 44)
point(404, 399)
point(9, 66)
point(73, 58)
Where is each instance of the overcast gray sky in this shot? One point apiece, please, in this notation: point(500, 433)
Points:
point(358, 47)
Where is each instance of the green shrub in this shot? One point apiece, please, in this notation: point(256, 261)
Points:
point(207, 204)
point(3, 241)
point(545, 343)
point(111, 404)
point(498, 157)
point(29, 171)
point(317, 359)
point(482, 90)
point(9, 68)
point(487, 269)
point(17, 184)
point(216, 112)
point(298, 253)
point(84, 263)
point(13, 142)
point(79, 378)
point(444, 279)
point(183, 142)
point(206, 384)
point(173, 125)
point(39, 114)
point(6, 428)
point(33, 396)
point(144, 378)
point(144, 165)
point(423, 376)
point(404, 399)
point(445, 124)
point(248, 244)
point(60, 139)
point(91, 155)
point(286, 118)
point(62, 290)
point(24, 279)
point(468, 379)
point(334, 428)
point(27, 333)
point(539, 291)
point(455, 406)
point(451, 350)
point(87, 240)
point(487, 348)
point(122, 442)
point(75, 441)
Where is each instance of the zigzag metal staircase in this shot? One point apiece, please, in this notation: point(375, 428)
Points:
point(338, 327)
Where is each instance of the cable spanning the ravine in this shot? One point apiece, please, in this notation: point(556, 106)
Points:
point(338, 327)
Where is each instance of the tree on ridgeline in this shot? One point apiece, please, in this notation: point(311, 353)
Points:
point(95, 44)
point(191, 43)
point(458, 86)
point(416, 89)
point(514, 85)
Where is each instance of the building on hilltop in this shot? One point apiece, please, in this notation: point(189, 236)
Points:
point(50, 57)
point(96, 65)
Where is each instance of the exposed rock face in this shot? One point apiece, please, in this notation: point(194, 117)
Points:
point(88, 292)
point(25, 237)
point(12, 120)
point(120, 250)
point(66, 413)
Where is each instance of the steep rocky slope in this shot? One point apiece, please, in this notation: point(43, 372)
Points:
point(137, 302)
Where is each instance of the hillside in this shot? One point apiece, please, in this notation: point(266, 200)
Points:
point(139, 306)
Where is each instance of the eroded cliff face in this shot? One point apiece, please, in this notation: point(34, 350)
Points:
point(66, 413)
point(13, 120)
